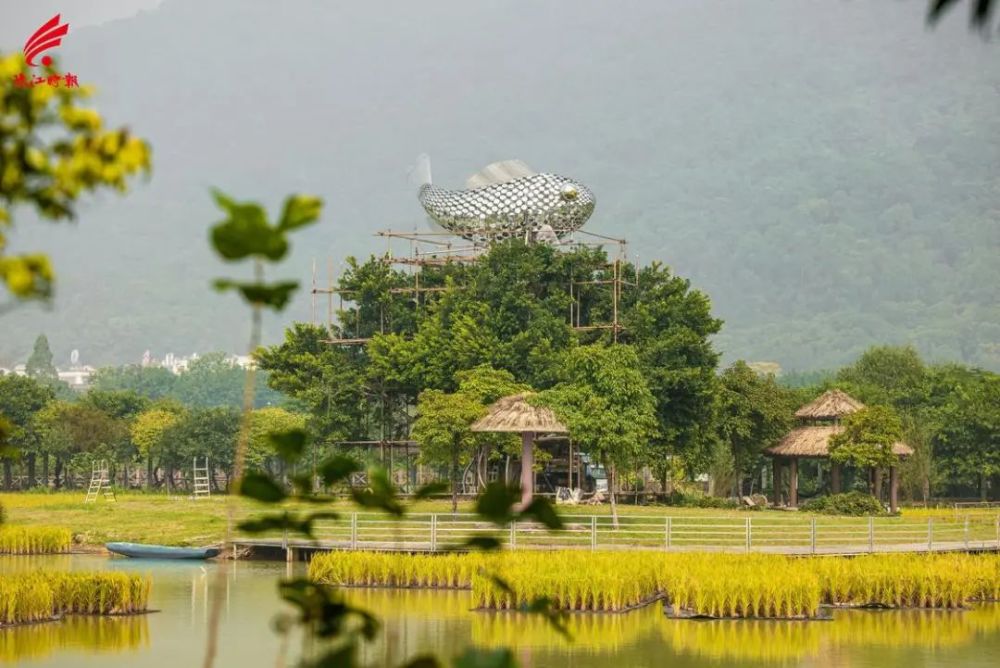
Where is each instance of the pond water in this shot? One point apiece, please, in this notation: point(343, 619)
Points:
point(440, 622)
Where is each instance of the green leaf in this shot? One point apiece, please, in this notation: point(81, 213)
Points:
point(502, 584)
point(556, 619)
point(337, 469)
point(485, 658)
point(422, 662)
point(300, 210)
point(483, 543)
point(260, 486)
point(289, 444)
point(274, 522)
point(380, 495)
point(275, 296)
point(340, 657)
point(246, 232)
point(429, 490)
point(496, 502)
point(543, 512)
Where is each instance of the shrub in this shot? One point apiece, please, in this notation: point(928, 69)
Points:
point(857, 504)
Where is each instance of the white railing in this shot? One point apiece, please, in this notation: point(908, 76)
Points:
point(433, 532)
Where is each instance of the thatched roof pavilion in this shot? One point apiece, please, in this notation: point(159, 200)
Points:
point(831, 405)
point(514, 414)
point(812, 441)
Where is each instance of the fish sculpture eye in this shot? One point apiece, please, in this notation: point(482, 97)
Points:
point(569, 192)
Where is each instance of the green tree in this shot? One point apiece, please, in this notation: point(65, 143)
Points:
point(889, 375)
point(867, 438)
point(119, 404)
point(754, 413)
point(605, 403)
point(214, 379)
point(442, 427)
point(21, 398)
point(150, 382)
point(78, 434)
point(53, 150)
point(325, 380)
point(202, 432)
point(968, 440)
point(148, 431)
point(40, 366)
point(442, 430)
point(671, 325)
point(264, 422)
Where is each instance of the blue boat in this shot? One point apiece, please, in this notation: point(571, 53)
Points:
point(140, 551)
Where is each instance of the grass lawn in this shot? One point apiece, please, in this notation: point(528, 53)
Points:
point(179, 520)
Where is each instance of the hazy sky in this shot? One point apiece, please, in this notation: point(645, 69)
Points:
point(793, 158)
point(20, 18)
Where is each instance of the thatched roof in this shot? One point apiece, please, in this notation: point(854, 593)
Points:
point(515, 414)
point(814, 441)
point(829, 405)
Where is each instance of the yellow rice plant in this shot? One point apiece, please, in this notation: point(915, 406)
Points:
point(34, 539)
point(393, 569)
point(43, 596)
point(25, 599)
point(100, 593)
point(923, 581)
point(719, 585)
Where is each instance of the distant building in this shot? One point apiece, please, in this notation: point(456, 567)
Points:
point(77, 377)
point(242, 361)
point(178, 365)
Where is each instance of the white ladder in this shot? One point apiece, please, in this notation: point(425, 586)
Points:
point(99, 482)
point(202, 485)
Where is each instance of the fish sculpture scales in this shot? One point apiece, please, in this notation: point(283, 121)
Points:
point(507, 200)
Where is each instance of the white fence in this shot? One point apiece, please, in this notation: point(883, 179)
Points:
point(792, 535)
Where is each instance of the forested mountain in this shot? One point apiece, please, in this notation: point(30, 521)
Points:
point(826, 171)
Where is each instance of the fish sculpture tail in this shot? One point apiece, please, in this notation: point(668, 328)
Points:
point(421, 173)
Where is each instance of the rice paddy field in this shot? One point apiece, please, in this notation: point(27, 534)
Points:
point(715, 585)
point(442, 622)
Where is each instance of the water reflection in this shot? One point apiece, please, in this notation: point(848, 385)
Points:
point(432, 621)
point(88, 634)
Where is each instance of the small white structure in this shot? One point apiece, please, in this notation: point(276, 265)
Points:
point(78, 378)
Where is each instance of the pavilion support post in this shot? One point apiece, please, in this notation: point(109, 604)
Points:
point(893, 489)
point(569, 466)
point(835, 478)
point(793, 483)
point(776, 465)
point(527, 467)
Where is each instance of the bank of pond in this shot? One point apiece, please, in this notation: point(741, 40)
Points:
point(738, 586)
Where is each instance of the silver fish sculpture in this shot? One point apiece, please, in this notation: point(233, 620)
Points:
point(507, 199)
